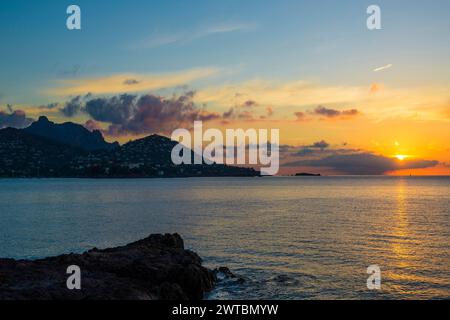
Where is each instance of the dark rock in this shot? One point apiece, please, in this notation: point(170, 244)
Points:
point(224, 272)
point(240, 280)
point(157, 267)
point(224, 277)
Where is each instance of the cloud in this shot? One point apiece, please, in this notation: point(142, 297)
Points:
point(375, 87)
point(323, 111)
point(333, 113)
point(234, 113)
point(300, 95)
point(92, 125)
point(365, 163)
point(121, 83)
point(115, 110)
point(306, 152)
point(328, 113)
point(249, 103)
point(245, 111)
point(128, 114)
point(300, 115)
point(388, 66)
point(130, 81)
point(313, 149)
point(15, 119)
point(350, 112)
point(72, 107)
point(319, 145)
point(50, 106)
point(186, 36)
point(269, 114)
point(281, 94)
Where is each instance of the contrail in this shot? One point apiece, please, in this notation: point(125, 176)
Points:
point(383, 68)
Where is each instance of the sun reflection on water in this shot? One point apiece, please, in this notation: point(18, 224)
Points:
point(400, 227)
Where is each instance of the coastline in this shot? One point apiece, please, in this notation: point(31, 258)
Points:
point(155, 268)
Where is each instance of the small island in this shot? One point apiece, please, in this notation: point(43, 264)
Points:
point(305, 174)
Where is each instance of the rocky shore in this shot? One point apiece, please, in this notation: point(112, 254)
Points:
point(157, 267)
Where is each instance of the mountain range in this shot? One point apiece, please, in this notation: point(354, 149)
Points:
point(48, 149)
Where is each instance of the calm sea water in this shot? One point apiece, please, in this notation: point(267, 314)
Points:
point(289, 238)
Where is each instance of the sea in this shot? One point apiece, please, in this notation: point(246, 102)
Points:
point(283, 237)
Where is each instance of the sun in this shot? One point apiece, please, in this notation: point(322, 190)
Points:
point(401, 157)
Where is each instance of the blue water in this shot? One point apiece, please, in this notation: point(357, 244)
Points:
point(289, 238)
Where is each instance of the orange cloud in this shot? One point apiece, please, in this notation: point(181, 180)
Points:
point(375, 87)
point(121, 83)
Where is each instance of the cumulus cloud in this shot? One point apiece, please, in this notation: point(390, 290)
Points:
point(115, 110)
point(365, 163)
point(14, 119)
point(72, 107)
point(134, 115)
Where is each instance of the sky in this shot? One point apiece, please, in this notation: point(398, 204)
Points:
point(347, 100)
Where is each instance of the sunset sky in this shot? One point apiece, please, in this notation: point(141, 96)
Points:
point(347, 100)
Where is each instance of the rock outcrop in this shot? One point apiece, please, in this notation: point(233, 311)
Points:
point(157, 267)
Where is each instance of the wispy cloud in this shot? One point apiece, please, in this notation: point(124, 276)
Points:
point(281, 94)
point(130, 82)
point(182, 37)
point(388, 66)
point(300, 96)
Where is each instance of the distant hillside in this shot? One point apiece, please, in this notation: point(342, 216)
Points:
point(150, 157)
point(24, 154)
point(71, 134)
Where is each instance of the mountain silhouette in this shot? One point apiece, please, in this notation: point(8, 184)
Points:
point(46, 149)
point(71, 134)
point(26, 155)
point(151, 157)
